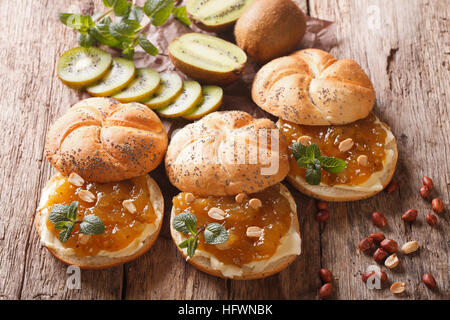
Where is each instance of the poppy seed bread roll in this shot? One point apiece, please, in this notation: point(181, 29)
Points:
point(103, 140)
point(312, 87)
point(224, 154)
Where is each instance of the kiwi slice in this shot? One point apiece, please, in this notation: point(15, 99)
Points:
point(186, 101)
point(145, 83)
point(170, 87)
point(80, 66)
point(206, 58)
point(118, 77)
point(212, 99)
point(216, 15)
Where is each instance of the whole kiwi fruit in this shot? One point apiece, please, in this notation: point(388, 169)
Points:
point(270, 28)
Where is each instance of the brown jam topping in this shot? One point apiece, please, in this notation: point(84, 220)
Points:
point(368, 137)
point(274, 216)
point(121, 226)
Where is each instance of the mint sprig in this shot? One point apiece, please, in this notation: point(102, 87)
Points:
point(64, 218)
point(186, 223)
point(310, 158)
point(125, 32)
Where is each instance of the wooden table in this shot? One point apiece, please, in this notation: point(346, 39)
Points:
point(404, 47)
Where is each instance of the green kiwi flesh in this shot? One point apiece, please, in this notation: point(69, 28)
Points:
point(118, 77)
point(206, 58)
point(186, 101)
point(80, 66)
point(212, 99)
point(145, 83)
point(216, 15)
point(170, 87)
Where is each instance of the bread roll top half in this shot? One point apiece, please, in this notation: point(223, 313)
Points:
point(103, 140)
point(312, 87)
point(226, 153)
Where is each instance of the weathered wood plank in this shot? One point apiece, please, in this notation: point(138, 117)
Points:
point(403, 45)
point(32, 99)
point(407, 59)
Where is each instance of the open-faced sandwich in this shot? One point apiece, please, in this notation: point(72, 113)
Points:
point(102, 208)
point(340, 150)
point(233, 218)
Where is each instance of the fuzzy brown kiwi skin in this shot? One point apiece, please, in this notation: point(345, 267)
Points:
point(81, 86)
point(205, 76)
point(280, 23)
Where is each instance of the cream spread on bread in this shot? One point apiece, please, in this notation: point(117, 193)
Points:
point(373, 183)
point(290, 244)
point(49, 240)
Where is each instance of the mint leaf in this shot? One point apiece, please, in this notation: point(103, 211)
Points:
point(73, 210)
point(147, 45)
point(86, 40)
point(128, 53)
point(158, 11)
point(61, 225)
point(303, 162)
point(121, 7)
point(102, 34)
point(63, 17)
point(181, 15)
point(79, 22)
point(59, 212)
point(215, 233)
point(108, 3)
point(151, 6)
point(313, 151)
point(65, 233)
point(298, 150)
point(309, 157)
point(136, 13)
point(92, 224)
point(331, 164)
point(192, 246)
point(185, 223)
point(124, 30)
point(185, 243)
point(313, 176)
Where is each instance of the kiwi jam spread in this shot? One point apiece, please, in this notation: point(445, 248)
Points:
point(121, 226)
point(368, 136)
point(274, 217)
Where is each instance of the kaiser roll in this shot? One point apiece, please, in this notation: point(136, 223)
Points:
point(311, 87)
point(103, 140)
point(226, 153)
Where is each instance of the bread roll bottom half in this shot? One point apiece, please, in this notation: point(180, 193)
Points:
point(370, 152)
point(263, 232)
point(131, 210)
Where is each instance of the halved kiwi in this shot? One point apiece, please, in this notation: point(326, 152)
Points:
point(144, 84)
point(216, 15)
point(186, 101)
point(170, 87)
point(80, 66)
point(212, 99)
point(118, 77)
point(206, 58)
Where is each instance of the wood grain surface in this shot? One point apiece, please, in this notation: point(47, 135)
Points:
point(404, 47)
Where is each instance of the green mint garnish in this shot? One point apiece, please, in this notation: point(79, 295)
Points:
point(215, 233)
point(125, 31)
point(186, 222)
point(310, 158)
point(64, 218)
